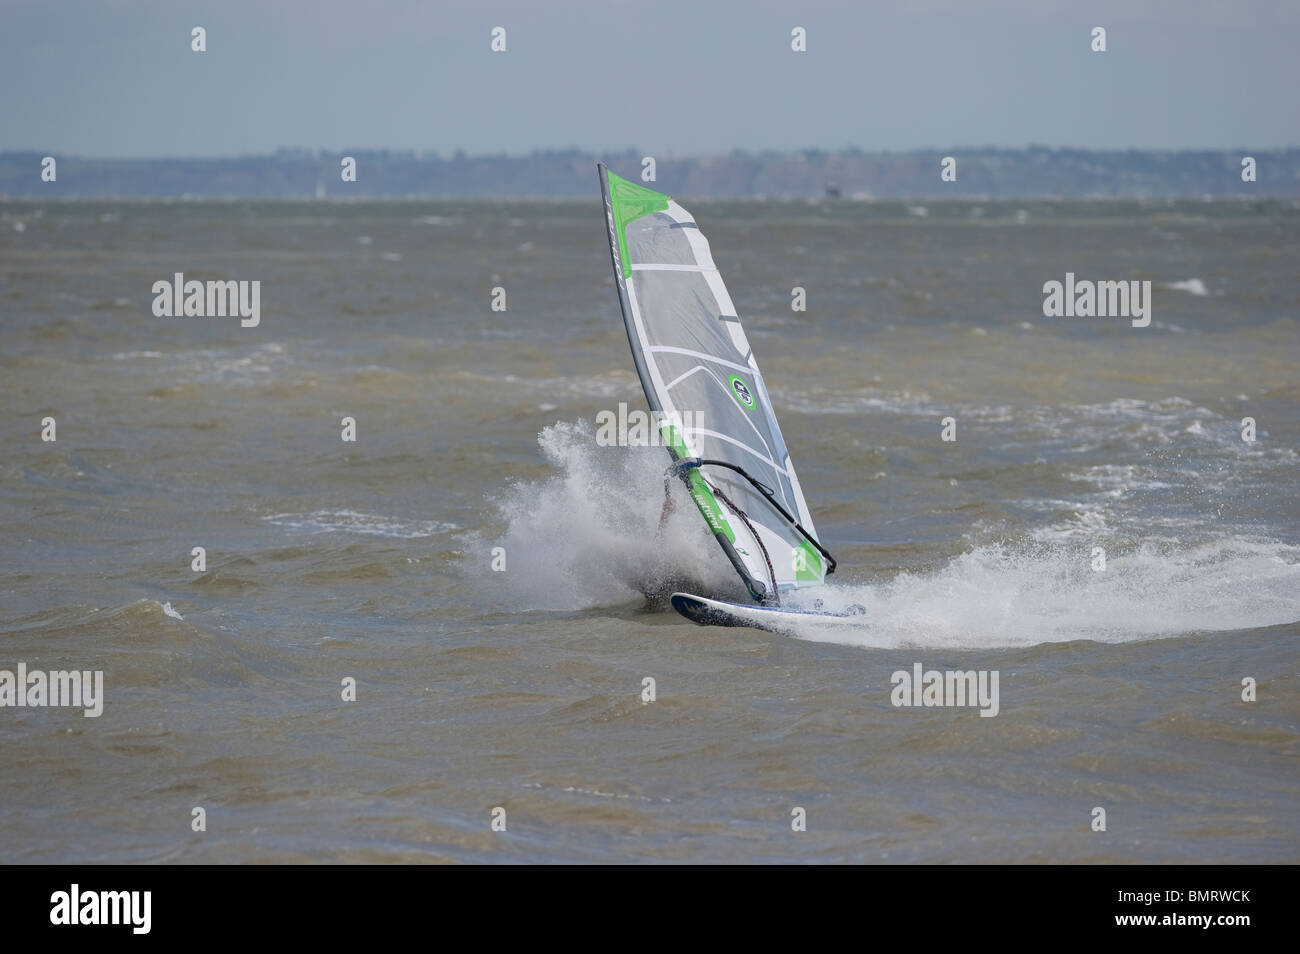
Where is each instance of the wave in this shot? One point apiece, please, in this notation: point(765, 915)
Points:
point(353, 521)
point(1027, 594)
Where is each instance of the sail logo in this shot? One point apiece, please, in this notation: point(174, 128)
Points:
point(637, 428)
point(741, 390)
point(213, 299)
point(1089, 299)
point(952, 688)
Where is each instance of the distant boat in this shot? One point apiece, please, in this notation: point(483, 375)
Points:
point(832, 191)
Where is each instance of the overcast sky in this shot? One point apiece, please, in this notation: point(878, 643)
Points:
point(668, 77)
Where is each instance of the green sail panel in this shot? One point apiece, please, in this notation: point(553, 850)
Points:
point(630, 202)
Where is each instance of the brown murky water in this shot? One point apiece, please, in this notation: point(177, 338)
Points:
point(521, 689)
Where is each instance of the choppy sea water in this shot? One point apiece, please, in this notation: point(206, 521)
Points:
point(522, 689)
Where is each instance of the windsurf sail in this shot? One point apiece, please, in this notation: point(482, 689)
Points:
point(700, 377)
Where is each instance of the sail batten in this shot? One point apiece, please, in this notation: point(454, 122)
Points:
point(695, 364)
